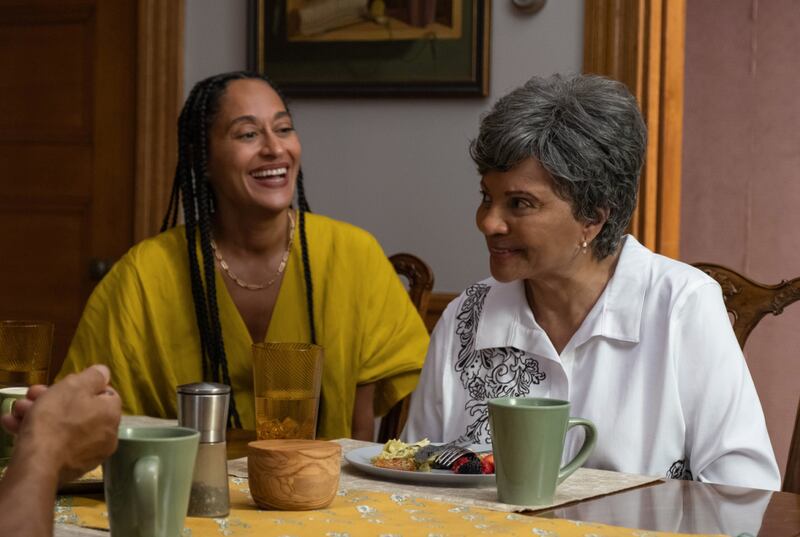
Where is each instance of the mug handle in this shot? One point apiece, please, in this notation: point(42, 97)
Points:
point(586, 450)
point(7, 406)
point(145, 478)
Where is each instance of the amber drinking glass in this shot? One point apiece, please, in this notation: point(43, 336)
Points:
point(25, 352)
point(287, 377)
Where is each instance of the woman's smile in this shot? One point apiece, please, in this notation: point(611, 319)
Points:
point(503, 252)
point(272, 176)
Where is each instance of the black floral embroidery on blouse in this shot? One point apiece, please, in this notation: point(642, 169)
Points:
point(680, 470)
point(488, 373)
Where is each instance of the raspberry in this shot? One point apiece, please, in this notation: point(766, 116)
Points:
point(487, 464)
point(472, 465)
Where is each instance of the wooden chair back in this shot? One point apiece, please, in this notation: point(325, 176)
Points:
point(420, 283)
point(748, 302)
point(419, 276)
point(436, 306)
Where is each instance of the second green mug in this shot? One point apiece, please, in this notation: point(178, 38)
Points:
point(8, 396)
point(148, 480)
point(528, 442)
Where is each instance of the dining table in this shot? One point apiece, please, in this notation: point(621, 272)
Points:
point(369, 505)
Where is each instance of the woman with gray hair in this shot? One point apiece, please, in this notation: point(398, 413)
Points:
point(576, 310)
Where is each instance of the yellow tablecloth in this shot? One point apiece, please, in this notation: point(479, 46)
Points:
point(356, 513)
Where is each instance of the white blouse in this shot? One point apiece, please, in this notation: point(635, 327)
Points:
point(655, 365)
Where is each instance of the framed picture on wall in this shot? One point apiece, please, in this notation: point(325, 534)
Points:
point(372, 47)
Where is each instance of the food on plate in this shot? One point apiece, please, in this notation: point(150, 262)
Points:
point(397, 455)
point(396, 464)
point(467, 464)
point(474, 463)
point(487, 463)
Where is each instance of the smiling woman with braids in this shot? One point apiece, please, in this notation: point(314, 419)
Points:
point(188, 304)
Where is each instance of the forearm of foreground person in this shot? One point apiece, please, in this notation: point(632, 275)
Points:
point(64, 431)
point(27, 496)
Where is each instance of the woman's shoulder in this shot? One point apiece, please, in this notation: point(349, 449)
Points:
point(639, 261)
point(335, 240)
point(155, 255)
point(679, 275)
point(329, 228)
point(167, 242)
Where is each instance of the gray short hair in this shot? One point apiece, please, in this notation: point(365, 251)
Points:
point(586, 131)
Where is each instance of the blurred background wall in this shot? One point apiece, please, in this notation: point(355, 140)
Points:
point(741, 172)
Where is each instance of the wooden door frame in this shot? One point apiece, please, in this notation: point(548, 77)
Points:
point(641, 43)
point(159, 85)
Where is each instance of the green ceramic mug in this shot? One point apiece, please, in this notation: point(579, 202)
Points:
point(528, 442)
point(8, 396)
point(148, 480)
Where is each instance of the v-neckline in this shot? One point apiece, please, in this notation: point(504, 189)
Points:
point(226, 298)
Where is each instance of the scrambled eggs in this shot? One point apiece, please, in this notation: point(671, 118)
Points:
point(398, 455)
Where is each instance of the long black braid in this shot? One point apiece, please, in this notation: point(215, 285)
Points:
point(192, 190)
point(302, 204)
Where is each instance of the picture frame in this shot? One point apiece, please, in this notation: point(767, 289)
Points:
point(372, 47)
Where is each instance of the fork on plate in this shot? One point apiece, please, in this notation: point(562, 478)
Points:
point(449, 455)
point(443, 451)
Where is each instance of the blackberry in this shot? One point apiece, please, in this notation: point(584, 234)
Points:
point(471, 466)
point(439, 466)
point(456, 463)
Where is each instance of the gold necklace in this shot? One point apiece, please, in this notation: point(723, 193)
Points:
point(255, 286)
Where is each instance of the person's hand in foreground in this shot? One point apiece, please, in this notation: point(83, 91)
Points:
point(12, 421)
point(62, 432)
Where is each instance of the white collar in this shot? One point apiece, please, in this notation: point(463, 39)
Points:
point(507, 320)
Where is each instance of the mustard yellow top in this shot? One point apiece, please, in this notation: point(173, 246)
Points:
point(140, 321)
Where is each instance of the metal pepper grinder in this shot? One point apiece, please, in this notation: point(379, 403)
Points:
point(203, 406)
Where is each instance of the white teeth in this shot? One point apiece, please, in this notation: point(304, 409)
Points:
point(269, 173)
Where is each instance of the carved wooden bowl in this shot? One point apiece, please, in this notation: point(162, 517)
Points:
point(293, 475)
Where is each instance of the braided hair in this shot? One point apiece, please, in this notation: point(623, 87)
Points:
point(192, 190)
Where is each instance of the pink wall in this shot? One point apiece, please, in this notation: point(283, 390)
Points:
point(741, 172)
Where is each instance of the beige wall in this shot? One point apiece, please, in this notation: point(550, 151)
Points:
point(741, 172)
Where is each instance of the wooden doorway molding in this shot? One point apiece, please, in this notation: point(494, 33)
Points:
point(641, 43)
point(159, 96)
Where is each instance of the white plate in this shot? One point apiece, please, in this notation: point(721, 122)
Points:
point(361, 458)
